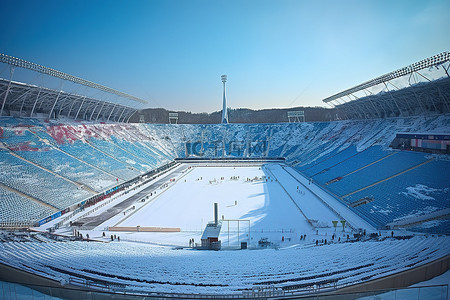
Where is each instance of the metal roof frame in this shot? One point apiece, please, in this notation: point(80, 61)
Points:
point(24, 100)
point(428, 97)
point(17, 62)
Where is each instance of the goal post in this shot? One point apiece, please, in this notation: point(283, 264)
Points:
point(240, 229)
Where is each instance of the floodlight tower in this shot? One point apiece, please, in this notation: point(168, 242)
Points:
point(224, 109)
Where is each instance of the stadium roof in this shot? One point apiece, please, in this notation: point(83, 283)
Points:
point(25, 100)
point(420, 88)
point(29, 100)
point(17, 62)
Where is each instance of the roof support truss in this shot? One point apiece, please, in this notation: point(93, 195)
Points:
point(26, 100)
point(420, 97)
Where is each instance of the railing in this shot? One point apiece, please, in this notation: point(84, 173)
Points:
point(229, 159)
point(91, 290)
point(16, 224)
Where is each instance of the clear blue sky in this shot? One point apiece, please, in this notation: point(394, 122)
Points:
point(276, 53)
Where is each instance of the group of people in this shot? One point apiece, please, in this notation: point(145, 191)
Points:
point(77, 234)
point(256, 178)
point(113, 237)
point(300, 191)
point(191, 242)
point(339, 238)
point(321, 241)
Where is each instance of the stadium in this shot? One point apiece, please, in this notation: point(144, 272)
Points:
point(93, 206)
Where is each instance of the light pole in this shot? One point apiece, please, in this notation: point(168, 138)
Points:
point(224, 109)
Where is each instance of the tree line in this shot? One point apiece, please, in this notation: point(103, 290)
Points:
point(235, 115)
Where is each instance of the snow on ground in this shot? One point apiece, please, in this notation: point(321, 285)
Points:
point(189, 204)
point(268, 197)
point(242, 194)
point(311, 205)
point(278, 206)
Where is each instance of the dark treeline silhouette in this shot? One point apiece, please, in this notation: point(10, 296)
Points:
point(239, 115)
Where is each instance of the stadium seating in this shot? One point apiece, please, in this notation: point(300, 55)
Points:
point(18, 210)
point(329, 150)
point(343, 157)
point(417, 192)
point(31, 148)
point(336, 157)
point(38, 183)
point(108, 264)
point(343, 164)
point(375, 172)
point(95, 156)
point(138, 149)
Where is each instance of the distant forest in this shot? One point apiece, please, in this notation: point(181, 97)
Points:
point(239, 115)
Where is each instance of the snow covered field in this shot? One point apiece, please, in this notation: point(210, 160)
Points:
point(274, 202)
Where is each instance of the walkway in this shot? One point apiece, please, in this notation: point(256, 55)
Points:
point(94, 221)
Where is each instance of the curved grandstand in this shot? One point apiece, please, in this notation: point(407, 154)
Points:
point(121, 207)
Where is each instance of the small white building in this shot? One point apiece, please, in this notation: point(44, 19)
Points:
point(210, 237)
